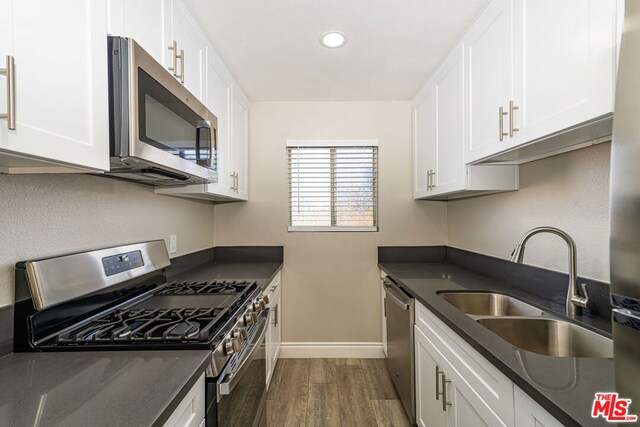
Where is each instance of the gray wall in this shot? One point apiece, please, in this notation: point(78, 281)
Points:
point(45, 215)
point(331, 286)
point(570, 191)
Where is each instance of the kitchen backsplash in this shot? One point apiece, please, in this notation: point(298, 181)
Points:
point(46, 215)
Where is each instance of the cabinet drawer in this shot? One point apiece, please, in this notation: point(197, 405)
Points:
point(190, 412)
point(486, 380)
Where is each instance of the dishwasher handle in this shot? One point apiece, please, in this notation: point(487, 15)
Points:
point(397, 295)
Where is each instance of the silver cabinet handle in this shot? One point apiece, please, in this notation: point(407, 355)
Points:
point(501, 131)
point(181, 56)
point(275, 316)
point(512, 129)
point(438, 392)
point(10, 72)
point(233, 183)
point(445, 381)
point(174, 60)
point(430, 184)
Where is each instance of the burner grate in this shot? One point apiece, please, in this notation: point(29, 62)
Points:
point(198, 288)
point(189, 324)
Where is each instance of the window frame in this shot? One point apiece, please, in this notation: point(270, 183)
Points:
point(333, 143)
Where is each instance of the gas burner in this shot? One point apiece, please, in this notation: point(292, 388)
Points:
point(141, 325)
point(215, 287)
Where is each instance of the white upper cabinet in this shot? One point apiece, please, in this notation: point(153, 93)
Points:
point(218, 100)
point(440, 171)
point(142, 20)
point(60, 85)
point(447, 87)
point(187, 60)
point(240, 142)
point(565, 64)
point(536, 69)
point(424, 141)
point(489, 80)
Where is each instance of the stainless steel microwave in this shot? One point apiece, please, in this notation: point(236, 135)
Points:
point(160, 134)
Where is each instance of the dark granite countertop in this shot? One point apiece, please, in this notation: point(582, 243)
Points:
point(565, 387)
point(107, 388)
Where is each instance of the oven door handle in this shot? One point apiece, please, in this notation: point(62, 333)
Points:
point(231, 379)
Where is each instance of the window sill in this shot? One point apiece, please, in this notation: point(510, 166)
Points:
point(331, 229)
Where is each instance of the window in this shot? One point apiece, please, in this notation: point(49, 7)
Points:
point(333, 185)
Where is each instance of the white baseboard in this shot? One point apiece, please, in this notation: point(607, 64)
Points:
point(315, 350)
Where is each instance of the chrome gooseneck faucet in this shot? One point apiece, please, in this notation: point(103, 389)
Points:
point(575, 302)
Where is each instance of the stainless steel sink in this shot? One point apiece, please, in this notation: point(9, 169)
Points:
point(550, 337)
point(489, 304)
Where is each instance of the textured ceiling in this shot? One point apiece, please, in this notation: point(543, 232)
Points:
point(272, 46)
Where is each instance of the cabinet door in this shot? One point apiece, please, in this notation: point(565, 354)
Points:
point(530, 414)
point(239, 141)
point(467, 407)
point(276, 325)
point(447, 86)
point(384, 319)
point(60, 81)
point(565, 61)
point(274, 337)
point(142, 20)
point(428, 365)
point(424, 141)
point(191, 43)
point(217, 100)
point(488, 80)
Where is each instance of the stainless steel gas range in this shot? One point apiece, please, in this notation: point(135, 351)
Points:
point(119, 299)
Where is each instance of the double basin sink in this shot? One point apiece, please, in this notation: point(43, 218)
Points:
point(529, 328)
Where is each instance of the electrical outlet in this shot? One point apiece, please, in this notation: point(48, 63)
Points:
point(173, 244)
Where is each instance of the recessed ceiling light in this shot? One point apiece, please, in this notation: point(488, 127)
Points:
point(333, 39)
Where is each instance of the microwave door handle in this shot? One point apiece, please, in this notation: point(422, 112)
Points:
point(202, 124)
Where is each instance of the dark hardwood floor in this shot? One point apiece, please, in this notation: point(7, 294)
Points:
point(333, 392)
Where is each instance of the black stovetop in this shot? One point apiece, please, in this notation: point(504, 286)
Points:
point(178, 312)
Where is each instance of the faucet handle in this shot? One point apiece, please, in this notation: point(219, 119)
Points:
point(583, 301)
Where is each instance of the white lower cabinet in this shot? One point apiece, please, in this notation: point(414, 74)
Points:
point(190, 412)
point(383, 295)
point(429, 368)
point(443, 397)
point(530, 414)
point(274, 333)
point(456, 386)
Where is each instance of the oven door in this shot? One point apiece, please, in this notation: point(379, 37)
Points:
point(242, 384)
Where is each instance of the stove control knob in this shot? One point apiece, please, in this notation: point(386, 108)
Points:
point(249, 318)
point(232, 345)
point(241, 334)
point(261, 303)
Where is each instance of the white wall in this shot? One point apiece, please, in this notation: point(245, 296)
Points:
point(331, 285)
point(570, 191)
point(45, 215)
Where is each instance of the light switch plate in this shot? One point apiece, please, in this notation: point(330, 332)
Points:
point(173, 244)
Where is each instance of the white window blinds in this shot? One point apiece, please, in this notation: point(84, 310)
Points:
point(333, 188)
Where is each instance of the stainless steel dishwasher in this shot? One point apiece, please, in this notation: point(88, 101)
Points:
point(399, 309)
